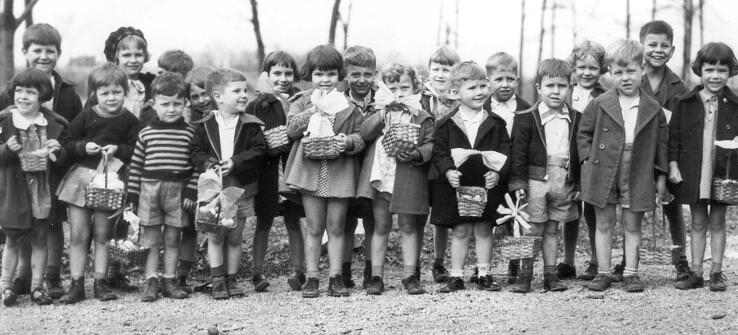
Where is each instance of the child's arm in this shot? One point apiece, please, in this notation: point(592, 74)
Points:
point(76, 144)
point(354, 143)
point(442, 152)
point(661, 162)
point(425, 147)
point(585, 134)
point(61, 154)
point(125, 149)
point(189, 193)
point(9, 149)
point(372, 126)
point(519, 162)
point(298, 118)
point(254, 148)
point(201, 156)
point(675, 145)
point(135, 171)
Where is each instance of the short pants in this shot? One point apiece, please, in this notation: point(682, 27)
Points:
point(552, 199)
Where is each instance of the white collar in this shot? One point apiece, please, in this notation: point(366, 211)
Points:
point(471, 116)
point(22, 122)
point(510, 103)
point(547, 114)
point(627, 103)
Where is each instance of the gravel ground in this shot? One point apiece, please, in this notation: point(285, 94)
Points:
point(660, 309)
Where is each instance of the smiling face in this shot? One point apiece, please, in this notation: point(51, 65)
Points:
point(586, 72)
point(41, 57)
point(402, 88)
point(553, 91)
point(233, 98)
point(439, 75)
point(657, 50)
point(26, 99)
point(324, 80)
point(169, 108)
point(110, 98)
point(503, 83)
point(714, 77)
point(130, 57)
point(282, 78)
point(627, 78)
point(198, 96)
point(472, 93)
point(360, 79)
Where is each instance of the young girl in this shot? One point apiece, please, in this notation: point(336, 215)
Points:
point(701, 118)
point(127, 48)
point(26, 199)
point(104, 129)
point(398, 183)
point(326, 186)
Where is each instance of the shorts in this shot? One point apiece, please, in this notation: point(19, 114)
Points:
point(220, 235)
point(552, 199)
point(38, 230)
point(73, 186)
point(620, 191)
point(160, 203)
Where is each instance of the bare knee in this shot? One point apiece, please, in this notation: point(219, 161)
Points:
point(462, 232)
point(171, 237)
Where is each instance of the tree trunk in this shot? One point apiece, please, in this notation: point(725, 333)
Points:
point(346, 23)
point(574, 23)
point(257, 31)
point(653, 10)
point(702, 23)
point(540, 40)
point(522, 43)
point(335, 15)
point(8, 25)
point(627, 19)
point(553, 27)
point(29, 20)
point(686, 49)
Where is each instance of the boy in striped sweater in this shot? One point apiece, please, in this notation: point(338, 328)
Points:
point(162, 183)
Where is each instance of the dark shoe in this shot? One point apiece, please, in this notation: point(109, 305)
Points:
point(452, 284)
point(182, 283)
point(412, 285)
point(234, 289)
point(9, 297)
point(488, 283)
point(22, 285)
point(151, 290)
point(552, 283)
point(367, 274)
point(633, 284)
point(682, 270)
point(689, 281)
point(417, 273)
point(600, 282)
point(76, 292)
point(590, 273)
point(311, 288)
point(522, 284)
point(101, 291)
point(346, 276)
point(513, 269)
point(617, 273)
point(566, 271)
point(171, 289)
point(119, 281)
point(440, 274)
point(475, 276)
point(40, 297)
point(717, 282)
point(375, 286)
point(219, 290)
point(54, 287)
point(296, 281)
point(336, 287)
point(260, 283)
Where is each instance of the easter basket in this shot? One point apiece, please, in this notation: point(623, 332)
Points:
point(216, 206)
point(517, 246)
point(321, 148)
point(400, 136)
point(128, 251)
point(34, 161)
point(725, 190)
point(276, 137)
point(471, 200)
point(650, 252)
point(104, 193)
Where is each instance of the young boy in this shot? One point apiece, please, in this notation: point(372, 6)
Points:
point(622, 142)
point(502, 71)
point(170, 61)
point(435, 100)
point(161, 183)
point(360, 67)
point(232, 141)
point(200, 102)
point(659, 82)
point(544, 167)
point(41, 49)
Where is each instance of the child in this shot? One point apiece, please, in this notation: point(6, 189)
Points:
point(657, 38)
point(41, 48)
point(587, 59)
point(502, 71)
point(280, 69)
point(105, 128)
point(706, 115)
point(200, 102)
point(233, 142)
point(360, 67)
point(26, 200)
point(544, 167)
point(161, 183)
point(396, 184)
point(170, 61)
point(469, 127)
point(622, 146)
point(326, 186)
point(436, 101)
point(127, 47)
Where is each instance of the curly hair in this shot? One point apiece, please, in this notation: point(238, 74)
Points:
point(114, 39)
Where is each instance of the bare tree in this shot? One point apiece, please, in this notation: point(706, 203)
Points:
point(627, 19)
point(8, 25)
point(522, 42)
point(653, 10)
point(540, 39)
point(554, 7)
point(257, 31)
point(688, 8)
point(335, 16)
point(574, 28)
point(345, 24)
point(702, 22)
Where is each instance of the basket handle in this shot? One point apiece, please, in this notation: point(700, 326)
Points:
point(728, 162)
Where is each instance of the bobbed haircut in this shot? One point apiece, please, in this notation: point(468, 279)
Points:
point(588, 48)
point(392, 73)
point(624, 52)
point(220, 78)
point(553, 68)
point(466, 71)
point(444, 56)
point(359, 56)
point(169, 84)
point(324, 58)
point(104, 75)
point(501, 61)
point(123, 36)
point(42, 34)
point(657, 27)
point(715, 53)
point(176, 61)
point(279, 57)
point(34, 78)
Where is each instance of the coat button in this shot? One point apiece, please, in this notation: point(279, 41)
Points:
point(602, 146)
point(596, 161)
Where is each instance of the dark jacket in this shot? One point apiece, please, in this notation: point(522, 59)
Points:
point(248, 151)
point(685, 141)
point(492, 135)
point(520, 103)
point(600, 140)
point(121, 130)
point(671, 88)
point(529, 155)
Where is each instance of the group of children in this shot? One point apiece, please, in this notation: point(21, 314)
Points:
point(580, 150)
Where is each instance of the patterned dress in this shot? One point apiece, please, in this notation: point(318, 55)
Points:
point(322, 190)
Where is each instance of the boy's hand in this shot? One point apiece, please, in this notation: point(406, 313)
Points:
point(109, 150)
point(661, 189)
point(343, 142)
point(13, 144)
point(53, 145)
point(226, 166)
point(491, 178)
point(520, 194)
point(188, 205)
point(92, 148)
point(675, 176)
point(408, 156)
point(454, 177)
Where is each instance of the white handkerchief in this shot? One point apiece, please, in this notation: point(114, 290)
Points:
point(319, 126)
point(492, 159)
point(329, 103)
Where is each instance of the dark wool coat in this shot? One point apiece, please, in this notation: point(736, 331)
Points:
point(529, 155)
point(685, 141)
point(492, 135)
point(248, 151)
point(671, 88)
point(15, 200)
point(601, 139)
point(410, 192)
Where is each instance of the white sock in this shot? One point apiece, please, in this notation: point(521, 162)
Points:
point(483, 269)
point(456, 273)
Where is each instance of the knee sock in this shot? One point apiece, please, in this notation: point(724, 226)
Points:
point(457, 273)
point(697, 269)
point(218, 271)
point(548, 269)
point(408, 271)
point(377, 271)
point(630, 272)
point(483, 270)
point(716, 267)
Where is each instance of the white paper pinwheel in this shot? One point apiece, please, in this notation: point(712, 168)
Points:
point(514, 211)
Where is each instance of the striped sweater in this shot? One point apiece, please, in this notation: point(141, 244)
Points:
point(163, 152)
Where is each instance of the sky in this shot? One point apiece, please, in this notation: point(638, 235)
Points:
point(398, 30)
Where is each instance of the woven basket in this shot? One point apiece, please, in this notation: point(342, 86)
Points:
point(519, 247)
point(321, 148)
point(103, 199)
point(725, 191)
point(135, 257)
point(276, 137)
point(400, 137)
point(655, 255)
point(471, 200)
point(33, 162)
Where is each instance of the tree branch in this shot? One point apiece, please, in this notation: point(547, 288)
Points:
point(26, 12)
